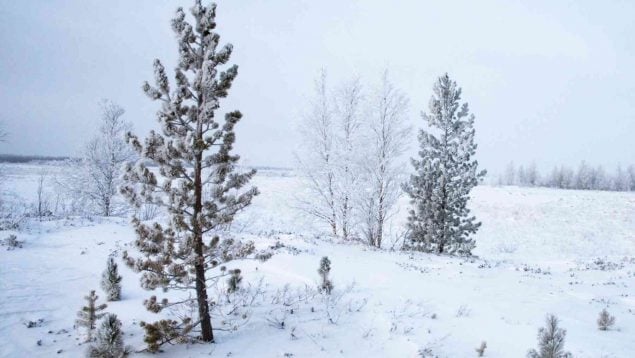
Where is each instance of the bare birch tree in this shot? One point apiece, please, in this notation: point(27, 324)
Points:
point(105, 156)
point(91, 182)
point(348, 122)
point(317, 158)
point(386, 140)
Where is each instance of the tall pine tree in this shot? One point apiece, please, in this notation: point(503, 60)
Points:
point(445, 173)
point(196, 181)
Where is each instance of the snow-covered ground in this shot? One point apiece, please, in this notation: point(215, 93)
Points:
point(539, 251)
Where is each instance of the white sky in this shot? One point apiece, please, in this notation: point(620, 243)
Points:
point(550, 81)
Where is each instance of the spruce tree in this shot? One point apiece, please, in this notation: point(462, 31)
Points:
point(446, 172)
point(111, 281)
point(89, 314)
point(197, 180)
point(109, 340)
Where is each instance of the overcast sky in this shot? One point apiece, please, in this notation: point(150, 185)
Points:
point(550, 81)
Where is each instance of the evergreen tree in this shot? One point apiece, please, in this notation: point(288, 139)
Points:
point(89, 314)
point(445, 174)
point(631, 177)
point(234, 280)
point(165, 331)
point(109, 340)
point(197, 180)
point(111, 281)
point(550, 341)
point(326, 285)
point(605, 320)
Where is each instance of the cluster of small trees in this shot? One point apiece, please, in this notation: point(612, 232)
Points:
point(353, 141)
point(584, 177)
point(551, 338)
point(108, 342)
point(88, 184)
point(352, 161)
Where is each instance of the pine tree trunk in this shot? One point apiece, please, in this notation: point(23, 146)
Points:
point(201, 288)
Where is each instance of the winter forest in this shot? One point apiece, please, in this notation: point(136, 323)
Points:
point(317, 179)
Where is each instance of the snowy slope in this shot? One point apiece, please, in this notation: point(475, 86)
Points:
point(539, 251)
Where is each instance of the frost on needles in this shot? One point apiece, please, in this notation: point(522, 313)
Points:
point(445, 173)
point(88, 316)
point(111, 280)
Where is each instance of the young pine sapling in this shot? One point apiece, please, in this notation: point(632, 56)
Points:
point(109, 340)
point(233, 282)
point(605, 320)
point(89, 314)
point(111, 281)
point(481, 349)
point(326, 285)
point(550, 341)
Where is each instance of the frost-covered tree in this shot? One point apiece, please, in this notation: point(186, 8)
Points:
point(234, 280)
point(109, 342)
point(445, 173)
point(326, 285)
point(347, 118)
point(561, 177)
point(91, 182)
point(631, 177)
point(42, 204)
point(194, 156)
point(532, 176)
point(521, 176)
point(598, 179)
point(381, 165)
point(111, 280)
point(351, 146)
point(317, 160)
point(165, 331)
point(605, 320)
point(105, 156)
point(510, 174)
point(550, 341)
point(583, 176)
point(620, 181)
point(87, 317)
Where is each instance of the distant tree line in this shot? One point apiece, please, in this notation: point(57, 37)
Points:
point(584, 177)
point(16, 158)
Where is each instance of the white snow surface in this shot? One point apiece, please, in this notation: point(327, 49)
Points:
point(539, 251)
